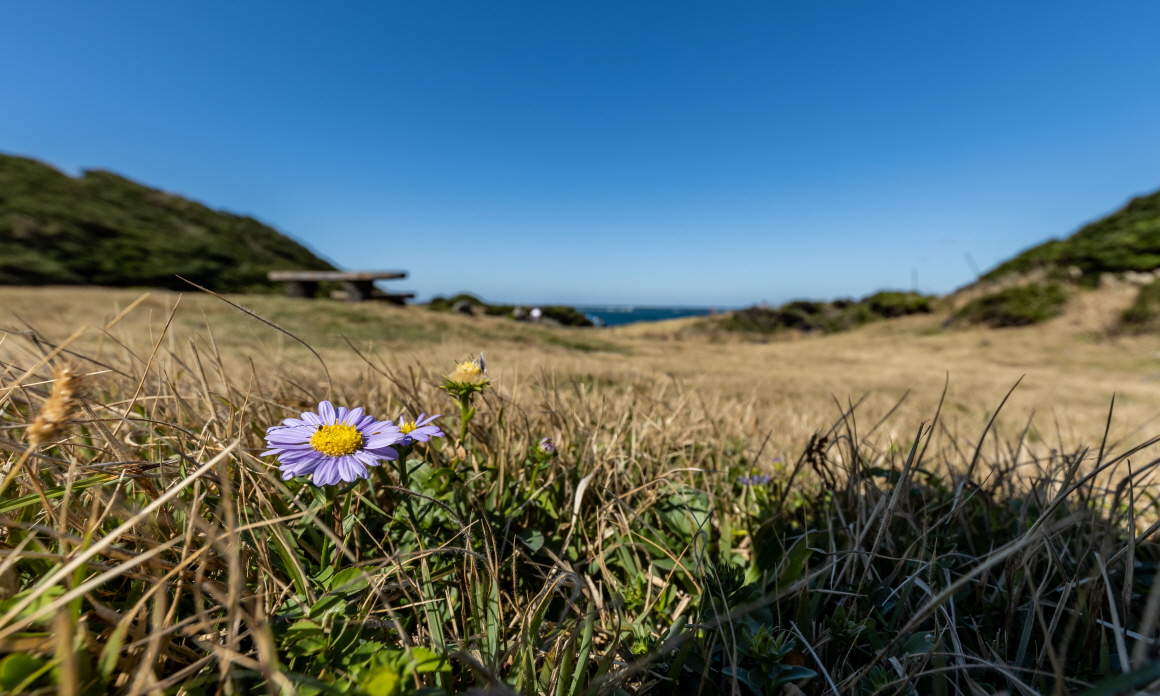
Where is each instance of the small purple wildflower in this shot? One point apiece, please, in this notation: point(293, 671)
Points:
point(755, 480)
point(547, 446)
point(334, 444)
point(418, 429)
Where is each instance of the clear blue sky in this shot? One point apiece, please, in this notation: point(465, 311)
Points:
point(628, 151)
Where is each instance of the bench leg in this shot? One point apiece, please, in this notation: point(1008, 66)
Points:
point(301, 288)
point(358, 290)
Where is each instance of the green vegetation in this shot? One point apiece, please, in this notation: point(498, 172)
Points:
point(102, 229)
point(566, 316)
point(1144, 314)
point(1127, 240)
point(654, 547)
point(839, 315)
point(1016, 306)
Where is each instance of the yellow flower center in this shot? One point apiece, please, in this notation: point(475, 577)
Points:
point(337, 440)
point(405, 427)
point(470, 370)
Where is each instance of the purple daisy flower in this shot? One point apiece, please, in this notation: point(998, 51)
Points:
point(418, 429)
point(333, 444)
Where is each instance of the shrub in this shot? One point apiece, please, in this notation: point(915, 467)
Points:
point(447, 304)
point(1144, 314)
point(839, 315)
point(898, 304)
point(1018, 306)
point(567, 316)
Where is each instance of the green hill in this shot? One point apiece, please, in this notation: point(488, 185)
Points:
point(102, 229)
point(1126, 240)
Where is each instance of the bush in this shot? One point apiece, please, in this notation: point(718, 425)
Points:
point(567, 316)
point(1144, 314)
point(447, 304)
point(829, 317)
point(1019, 306)
point(889, 305)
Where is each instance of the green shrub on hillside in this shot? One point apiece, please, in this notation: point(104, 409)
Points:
point(567, 316)
point(1127, 240)
point(897, 304)
point(102, 229)
point(1144, 314)
point(1019, 306)
point(828, 317)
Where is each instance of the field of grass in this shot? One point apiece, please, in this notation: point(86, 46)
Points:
point(721, 515)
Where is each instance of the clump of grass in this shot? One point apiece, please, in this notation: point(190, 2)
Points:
point(656, 548)
point(1016, 306)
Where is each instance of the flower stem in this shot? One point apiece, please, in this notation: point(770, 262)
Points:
point(465, 414)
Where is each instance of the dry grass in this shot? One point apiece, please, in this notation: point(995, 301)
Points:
point(154, 550)
point(785, 388)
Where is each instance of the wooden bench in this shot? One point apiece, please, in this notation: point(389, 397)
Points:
point(358, 285)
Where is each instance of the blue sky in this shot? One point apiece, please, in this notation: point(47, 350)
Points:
point(622, 151)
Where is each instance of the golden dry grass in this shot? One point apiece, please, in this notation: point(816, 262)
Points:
point(644, 416)
point(783, 389)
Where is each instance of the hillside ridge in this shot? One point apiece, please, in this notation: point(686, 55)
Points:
point(101, 228)
point(1126, 240)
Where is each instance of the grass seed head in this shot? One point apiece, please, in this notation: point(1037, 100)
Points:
point(53, 417)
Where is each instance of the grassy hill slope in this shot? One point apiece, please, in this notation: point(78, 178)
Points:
point(1126, 240)
point(102, 229)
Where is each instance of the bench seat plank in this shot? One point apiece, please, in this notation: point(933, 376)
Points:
point(315, 276)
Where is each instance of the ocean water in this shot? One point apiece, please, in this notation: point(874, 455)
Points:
point(616, 315)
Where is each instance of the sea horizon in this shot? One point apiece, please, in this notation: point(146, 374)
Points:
point(618, 315)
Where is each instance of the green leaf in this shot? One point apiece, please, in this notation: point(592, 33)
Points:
point(330, 604)
point(685, 512)
point(324, 576)
point(425, 660)
point(303, 628)
point(918, 644)
point(798, 555)
point(44, 597)
point(384, 681)
point(797, 674)
point(349, 581)
point(1125, 682)
point(308, 646)
point(111, 653)
point(18, 668)
point(532, 538)
point(56, 492)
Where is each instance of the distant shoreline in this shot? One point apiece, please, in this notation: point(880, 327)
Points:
point(618, 315)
